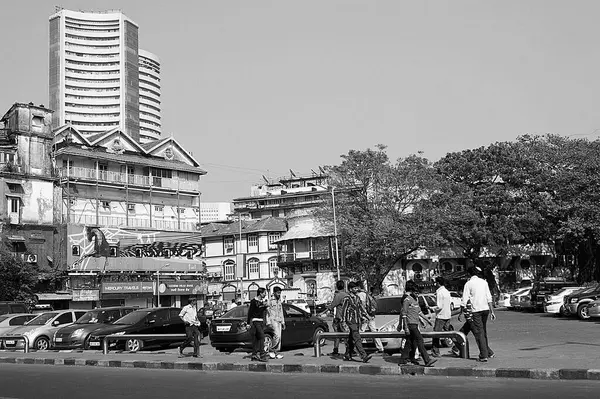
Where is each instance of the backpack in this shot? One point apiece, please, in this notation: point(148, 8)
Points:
point(371, 305)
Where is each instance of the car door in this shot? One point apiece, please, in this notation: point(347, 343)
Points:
point(298, 327)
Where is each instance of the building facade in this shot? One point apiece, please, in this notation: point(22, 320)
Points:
point(132, 219)
point(27, 205)
point(94, 71)
point(215, 211)
point(150, 115)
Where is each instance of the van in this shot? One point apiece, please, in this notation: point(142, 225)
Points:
point(13, 307)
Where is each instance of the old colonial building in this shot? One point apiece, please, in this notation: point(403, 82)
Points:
point(132, 219)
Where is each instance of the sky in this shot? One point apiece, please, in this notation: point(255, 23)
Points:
point(255, 87)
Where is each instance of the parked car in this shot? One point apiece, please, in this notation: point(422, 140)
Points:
point(594, 309)
point(40, 329)
point(300, 303)
point(155, 321)
point(13, 307)
point(76, 335)
point(548, 286)
point(232, 331)
point(577, 303)
point(554, 303)
point(41, 308)
point(515, 297)
point(521, 299)
point(455, 300)
point(387, 318)
point(11, 321)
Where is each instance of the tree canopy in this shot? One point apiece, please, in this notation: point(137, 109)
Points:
point(18, 278)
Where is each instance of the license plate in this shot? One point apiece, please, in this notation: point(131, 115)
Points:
point(10, 342)
point(223, 328)
point(94, 343)
point(58, 340)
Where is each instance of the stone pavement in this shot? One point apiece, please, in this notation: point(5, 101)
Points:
point(526, 345)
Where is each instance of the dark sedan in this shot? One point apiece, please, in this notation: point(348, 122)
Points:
point(154, 321)
point(231, 331)
point(76, 335)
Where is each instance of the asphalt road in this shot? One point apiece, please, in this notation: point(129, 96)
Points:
point(41, 382)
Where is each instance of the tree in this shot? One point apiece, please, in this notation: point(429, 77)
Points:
point(18, 278)
point(379, 217)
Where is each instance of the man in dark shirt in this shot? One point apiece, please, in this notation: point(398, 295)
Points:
point(351, 319)
point(256, 320)
point(410, 318)
point(336, 307)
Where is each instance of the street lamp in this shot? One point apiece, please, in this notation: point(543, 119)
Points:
point(337, 258)
point(158, 284)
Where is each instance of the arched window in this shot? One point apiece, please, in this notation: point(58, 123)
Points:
point(253, 269)
point(229, 270)
point(447, 267)
point(273, 268)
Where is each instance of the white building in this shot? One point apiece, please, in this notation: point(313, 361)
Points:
point(150, 117)
point(214, 211)
point(94, 81)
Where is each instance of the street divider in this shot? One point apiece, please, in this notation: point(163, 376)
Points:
point(117, 337)
point(459, 338)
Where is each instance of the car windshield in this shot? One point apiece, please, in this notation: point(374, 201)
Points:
point(522, 291)
point(389, 305)
point(41, 319)
point(588, 290)
point(2, 318)
point(237, 313)
point(133, 317)
point(98, 316)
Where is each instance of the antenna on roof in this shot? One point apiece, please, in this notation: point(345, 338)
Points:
point(314, 173)
point(292, 173)
point(265, 179)
point(321, 169)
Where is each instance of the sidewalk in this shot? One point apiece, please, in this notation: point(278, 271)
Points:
point(526, 346)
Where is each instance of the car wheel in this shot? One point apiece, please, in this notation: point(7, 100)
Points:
point(42, 344)
point(318, 330)
point(134, 345)
point(582, 312)
point(562, 311)
point(268, 342)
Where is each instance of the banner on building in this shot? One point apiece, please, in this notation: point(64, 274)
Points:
point(134, 287)
point(86, 295)
point(190, 287)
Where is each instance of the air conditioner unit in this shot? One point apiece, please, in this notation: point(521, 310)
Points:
point(31, 258)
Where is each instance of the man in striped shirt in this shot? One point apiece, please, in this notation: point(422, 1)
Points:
point(351, 319)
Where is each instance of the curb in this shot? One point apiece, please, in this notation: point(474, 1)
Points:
point(365, 369)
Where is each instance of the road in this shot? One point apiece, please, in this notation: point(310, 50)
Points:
point(42, 382)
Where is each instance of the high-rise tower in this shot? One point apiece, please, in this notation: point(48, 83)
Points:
point(150, 118)
point(94, 71)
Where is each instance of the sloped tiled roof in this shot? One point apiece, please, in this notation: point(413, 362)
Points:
point(152, 144)
point(248, 226)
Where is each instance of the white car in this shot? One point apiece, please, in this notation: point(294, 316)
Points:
point(554, 303)
point(455, 300)
point(299, 303)
point(11, 321)
point(519, 298)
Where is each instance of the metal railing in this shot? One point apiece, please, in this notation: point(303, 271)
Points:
point(17, 338)
point(122, 337)
point(459, 338)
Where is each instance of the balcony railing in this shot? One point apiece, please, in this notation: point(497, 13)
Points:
point(145, 222)
point(123, 178)
point(305, 255)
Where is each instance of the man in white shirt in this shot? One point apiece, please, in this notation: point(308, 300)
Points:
point(443, 313)
point(478, 292)
point(189, 315)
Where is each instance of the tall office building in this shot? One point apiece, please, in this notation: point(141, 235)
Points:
point(94, 71)
point(150, 124)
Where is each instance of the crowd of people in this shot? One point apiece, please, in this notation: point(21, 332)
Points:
point(354, 312)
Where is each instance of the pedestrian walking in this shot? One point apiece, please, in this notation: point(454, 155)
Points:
point(189, 315)
point(370, 308)
point(351, 319)
point(410, 318)
point(442, 311)
point(336, 308)
point(256, 320)
point(478, 292)
point(276, 321)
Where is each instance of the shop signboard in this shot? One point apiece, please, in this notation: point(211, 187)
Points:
point(133, 287)
point(190, 287)
point(86, 295)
